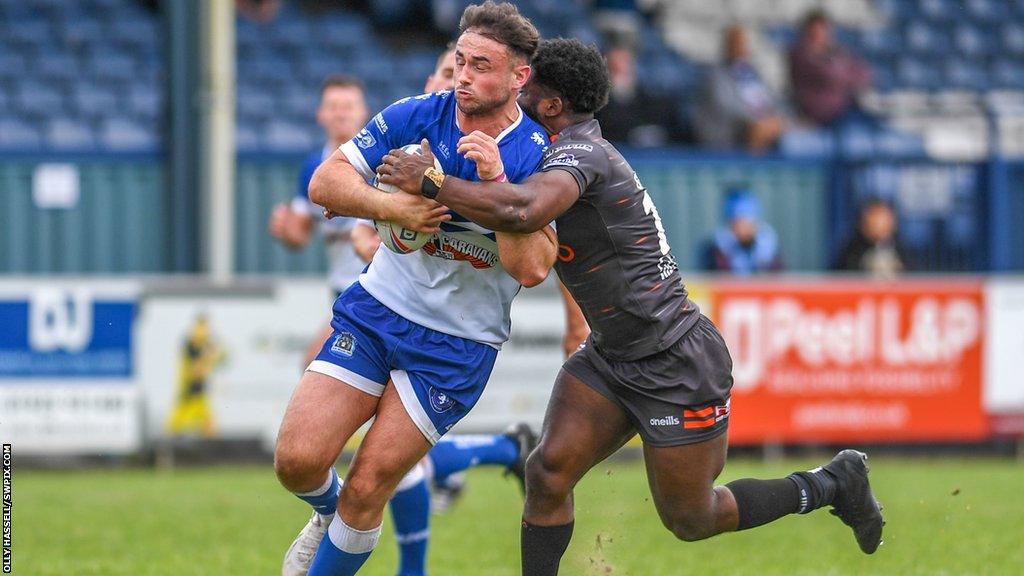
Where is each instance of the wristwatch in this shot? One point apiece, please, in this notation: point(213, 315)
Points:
point(433, 179)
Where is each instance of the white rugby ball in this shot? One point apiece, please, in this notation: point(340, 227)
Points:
point(396, 238)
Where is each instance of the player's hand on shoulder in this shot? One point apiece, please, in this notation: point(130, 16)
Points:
point(483, 150)
point(404, 170)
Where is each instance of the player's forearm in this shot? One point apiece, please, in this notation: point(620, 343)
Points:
point(528, 257)
point(500, 206)
point(338, 187)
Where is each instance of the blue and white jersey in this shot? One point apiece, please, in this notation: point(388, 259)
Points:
point(343, 264)
point(455, 284)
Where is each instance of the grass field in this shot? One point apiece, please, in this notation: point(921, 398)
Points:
point(952, 517)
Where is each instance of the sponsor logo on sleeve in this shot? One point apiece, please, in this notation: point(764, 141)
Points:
point(565, 159)
point(364, 139)
point(381, 124)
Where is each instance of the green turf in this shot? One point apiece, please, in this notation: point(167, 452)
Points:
point(944, 517)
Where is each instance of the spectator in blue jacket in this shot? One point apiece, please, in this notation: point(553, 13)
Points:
point(744, 244)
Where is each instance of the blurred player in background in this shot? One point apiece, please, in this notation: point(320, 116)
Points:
point(416, 337)
point(200, 356)
point(342, 113)
point(654, 364)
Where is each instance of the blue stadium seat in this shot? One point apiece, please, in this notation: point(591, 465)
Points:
point(857, 142)
point(281, 136)
point(880, 42)
point(144, 101)
point(66, 134)
point(965, 74)
point(807, 143)
point(938, 10)
point(926, 40)
point(56, 66)
point(300, 104)
point(1013, 38)
point(972, 41)
point(19, 135)
point(1007, 73)
point(106, 64)
point(918, 74)
point(291, 34)
point(13, 65)
point(898, 144)
point(36, 98)
point(94, 100)
point(29, 32)
point(987, 11)
point(247, 138)
point(256, 104)
point(132, 32)
point(81, 32)
point(122, 135)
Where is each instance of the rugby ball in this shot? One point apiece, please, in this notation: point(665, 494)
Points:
point(396, 238)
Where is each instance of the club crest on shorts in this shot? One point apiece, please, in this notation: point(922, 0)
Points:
point(440, 401)
point(344, 344)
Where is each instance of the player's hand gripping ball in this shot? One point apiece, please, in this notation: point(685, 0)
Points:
point(395, 237)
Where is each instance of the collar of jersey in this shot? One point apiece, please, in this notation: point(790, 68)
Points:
point(504, 132)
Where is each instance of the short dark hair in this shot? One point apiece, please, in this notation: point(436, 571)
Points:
point(341, 81)
point(576, 71)
point(504, 24)
point(816, 16)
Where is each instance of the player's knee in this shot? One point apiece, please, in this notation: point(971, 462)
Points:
point(369, 486)
point(296, 468)
point(689, 527)
point(547, 474)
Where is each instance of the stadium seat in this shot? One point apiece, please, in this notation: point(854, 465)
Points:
point(876, 42)
point(93, 100)
point(66, 134)
point(898, 144)
point(82, 32)
point(894, 11)
point(987, 11)
point(938, 10)
point(1007, 73)
point(926, 40)
point(18, 135)
point(973, 41)
point(807, 143)
point(1013, 38)
point(31, 32)
point(965, 74)
point(13, 66)
point(106, 64)
point(281, 136)
point(56, 66)
point(122, 135)
point(256, 104)
point(246, 137)
point(35, 98)
point(913, 73)
point(144, 101)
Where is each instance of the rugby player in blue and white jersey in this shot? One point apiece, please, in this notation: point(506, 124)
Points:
point(415, 339)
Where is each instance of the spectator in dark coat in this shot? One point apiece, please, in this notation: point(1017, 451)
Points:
point(744, 244)
point(874, 248)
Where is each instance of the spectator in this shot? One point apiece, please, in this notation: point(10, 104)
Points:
point(633, 116)
point(744, 244)
point(735, 107)
point(874, 247)
point(825, 77)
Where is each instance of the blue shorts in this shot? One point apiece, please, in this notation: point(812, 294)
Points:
point(438, 376)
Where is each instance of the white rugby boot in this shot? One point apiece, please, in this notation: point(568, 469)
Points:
point(300, 554)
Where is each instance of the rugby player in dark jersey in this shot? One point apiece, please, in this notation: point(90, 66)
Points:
point(653, 365)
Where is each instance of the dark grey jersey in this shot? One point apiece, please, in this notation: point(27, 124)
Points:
point(613, 254)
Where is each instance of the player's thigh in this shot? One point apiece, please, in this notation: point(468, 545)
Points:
point(322, 415)
point(682, 479)
point(391, 447)
point(582, 427)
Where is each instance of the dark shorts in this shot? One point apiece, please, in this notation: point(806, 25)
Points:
point(677, 396)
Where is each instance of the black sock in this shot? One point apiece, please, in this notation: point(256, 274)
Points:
point(817, 488)
point(542, 548)
point(763, 501)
